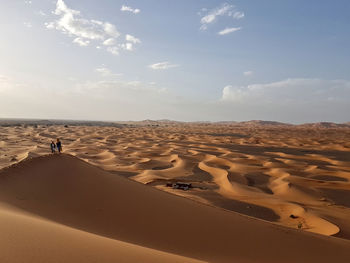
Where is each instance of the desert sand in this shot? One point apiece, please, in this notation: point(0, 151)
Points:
point(262, 192)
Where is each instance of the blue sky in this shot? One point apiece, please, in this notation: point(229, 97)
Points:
point(184, 60)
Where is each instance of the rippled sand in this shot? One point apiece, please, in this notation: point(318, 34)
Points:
point(296, 176)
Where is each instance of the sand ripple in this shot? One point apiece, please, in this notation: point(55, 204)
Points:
point(294, 173)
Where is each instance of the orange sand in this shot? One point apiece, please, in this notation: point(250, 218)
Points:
point(294, 176)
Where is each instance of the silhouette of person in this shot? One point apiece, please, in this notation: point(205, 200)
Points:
point(59, 145)
point(53, 147)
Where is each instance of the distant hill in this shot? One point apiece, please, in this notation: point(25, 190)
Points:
point(164, 122)
point(325, 125)
point(264, 123)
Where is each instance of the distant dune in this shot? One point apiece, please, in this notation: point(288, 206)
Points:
point(58, 208)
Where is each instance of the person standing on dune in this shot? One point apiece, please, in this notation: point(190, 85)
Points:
point(59, 145)
point(53, 147)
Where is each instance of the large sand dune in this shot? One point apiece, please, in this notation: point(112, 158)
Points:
point(58, 208)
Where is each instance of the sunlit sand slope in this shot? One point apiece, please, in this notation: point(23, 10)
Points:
point(27, 238)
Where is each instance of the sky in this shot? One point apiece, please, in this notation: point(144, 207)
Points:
point(186, 60)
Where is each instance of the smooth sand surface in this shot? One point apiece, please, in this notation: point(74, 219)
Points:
point(27, 238)
point(58, 208)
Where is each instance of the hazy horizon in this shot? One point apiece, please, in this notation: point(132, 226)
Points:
point(185, 60)
point(160, 120)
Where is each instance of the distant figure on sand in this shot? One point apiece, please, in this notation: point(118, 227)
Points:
point(59, 145)
point(53, 147)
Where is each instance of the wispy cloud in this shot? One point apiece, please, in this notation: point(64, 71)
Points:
point(81, 42)
point(162, 65)
point(41, 13)
point(238, 15)
point(109, 42)
point(292, 100)
point(125, 8)
point(289, 91)
point(84, 31)
point(134, 83)
point(228, 30)
point(113, 50)
point(122, 86)
point(28, 24)
point(248, 73)
point(223, 10)
point(106, 72)
point(6, 83)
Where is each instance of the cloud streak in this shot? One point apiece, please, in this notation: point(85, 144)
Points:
point(248, 73)
point(292, 91)
point(223, 10)
point(228, 30)
point(162, 65)
point(106, 72)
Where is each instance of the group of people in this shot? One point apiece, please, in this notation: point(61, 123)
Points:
point(57, 145)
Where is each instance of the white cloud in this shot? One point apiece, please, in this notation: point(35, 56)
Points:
point(70, 22)
point(162, 65)
point(81, 42)
point(84, 31)
point(28, 2)
point(129, 9)
point(132, 39)
point(127, 46)
point(223, 10)
point(289, 91)
point(113, 50)
point(232, 93)
point(228, 30)
point(109, 42)
point(111, 30)
point(238, 15)
point(248, 73)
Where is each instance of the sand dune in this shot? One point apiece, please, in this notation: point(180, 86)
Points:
point(294, 176)
point(28, 238)
point(59, 200)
